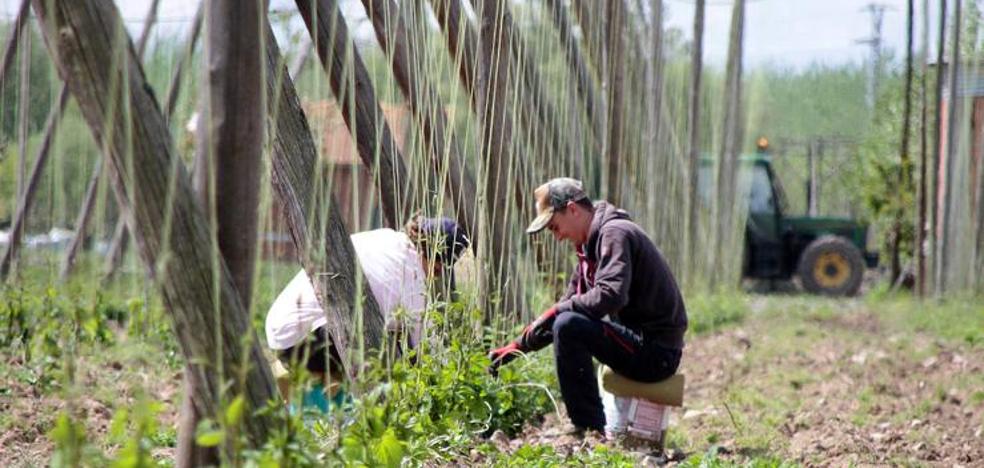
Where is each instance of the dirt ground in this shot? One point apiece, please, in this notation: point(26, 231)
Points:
point(865, 400)
point(819, 389)
point(839, 390)
point(29, 415)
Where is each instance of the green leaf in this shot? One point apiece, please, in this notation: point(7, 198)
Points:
point(210, 438)
point(208, 434)
point(234, 412)
point(389, 451)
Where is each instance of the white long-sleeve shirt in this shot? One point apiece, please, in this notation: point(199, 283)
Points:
point(391, 267)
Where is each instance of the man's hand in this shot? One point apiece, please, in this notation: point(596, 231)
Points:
point(539, 334)
point(503, 355)
point(535, 337)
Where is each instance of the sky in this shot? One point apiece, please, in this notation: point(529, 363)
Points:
point(797, 33)
point(788, 33)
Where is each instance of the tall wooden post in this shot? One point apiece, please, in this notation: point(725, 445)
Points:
point(812, 153)
point(493, 99)
point(405, 49)
point(905, 173)
point(937, 151)
point(89, 200)
point(615, 68)
point(13, 39)
point(26, 199)
point(354, 91)
point(586, 89)
point(211, 324)
point(693, 145)
point(229, 141)
point(724, 204)
point(315, 221)
point(656, 85)
point(117, 245)
point(920, 250)
point(23, 108)
point(462, 43)
point(943, 244)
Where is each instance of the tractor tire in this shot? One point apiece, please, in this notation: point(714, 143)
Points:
point(831, 265)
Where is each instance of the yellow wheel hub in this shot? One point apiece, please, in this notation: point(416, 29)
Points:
point(831, 270)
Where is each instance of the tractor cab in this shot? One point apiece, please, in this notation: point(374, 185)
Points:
point(827, 253)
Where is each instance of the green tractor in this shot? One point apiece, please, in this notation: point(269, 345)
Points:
point(827, 253)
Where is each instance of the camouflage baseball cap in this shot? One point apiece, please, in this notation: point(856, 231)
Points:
point(553, 196)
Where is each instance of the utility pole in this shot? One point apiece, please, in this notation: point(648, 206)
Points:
point(877, 12)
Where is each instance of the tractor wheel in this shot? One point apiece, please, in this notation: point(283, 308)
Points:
point(831, 265)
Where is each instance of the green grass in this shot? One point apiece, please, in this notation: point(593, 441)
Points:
point(957, 319)
point(441, 409)
point(708, 312)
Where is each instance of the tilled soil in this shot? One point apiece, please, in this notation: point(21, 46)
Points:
point(869, 401)
point(834, 390)
point(32, 412)
point(851, 394)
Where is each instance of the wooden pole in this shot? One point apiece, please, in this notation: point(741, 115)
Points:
point(115, 254)
point(13, 39)
point(117, 248)
point(174, 85)
point(300, 61)
point(23, 107)
point(356, 96)
point(586, 90)
point(148, 25)
point(89, 201)
point(937, 151)
point(315, 222)
point(169, 227)
point(231, 140)
point(404, 48)
point(234, 107)
point(26, 199)
point(493, 99)
point(616, 81)
point(951, 153)
point(657, 120)
point(693, 146)
point(656, 114)
point(811, 184)
point(920, 250)
point(724, 205)
point(81, 221)
point(905, 173)
point(462, 43)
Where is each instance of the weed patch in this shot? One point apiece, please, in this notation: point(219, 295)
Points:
point(711, 312)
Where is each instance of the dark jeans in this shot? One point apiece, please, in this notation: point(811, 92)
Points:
point(578, 338)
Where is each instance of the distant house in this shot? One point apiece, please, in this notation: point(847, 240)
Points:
point(351, 182)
